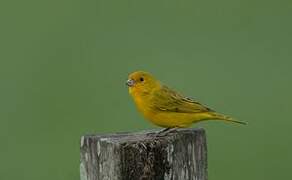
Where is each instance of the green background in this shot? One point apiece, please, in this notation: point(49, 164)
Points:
point(63, 66)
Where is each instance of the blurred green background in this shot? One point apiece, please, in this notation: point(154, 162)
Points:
point(63, 66)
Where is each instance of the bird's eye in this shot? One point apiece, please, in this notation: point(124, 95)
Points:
point(141, 79)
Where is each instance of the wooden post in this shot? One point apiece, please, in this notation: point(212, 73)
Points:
point(180, 155)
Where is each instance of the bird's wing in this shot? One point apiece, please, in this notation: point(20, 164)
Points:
point(168, 100)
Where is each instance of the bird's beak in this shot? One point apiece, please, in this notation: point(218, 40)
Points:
point(130, 82)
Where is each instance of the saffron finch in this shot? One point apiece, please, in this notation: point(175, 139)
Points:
point(165, 107)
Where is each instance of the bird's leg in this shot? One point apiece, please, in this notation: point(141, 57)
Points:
point(166, 131)
point(163, 130)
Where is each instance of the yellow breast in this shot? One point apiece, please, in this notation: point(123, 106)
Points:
point(161, 118)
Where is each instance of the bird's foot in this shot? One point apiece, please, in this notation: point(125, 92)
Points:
point(162, 132)
point(166, 131)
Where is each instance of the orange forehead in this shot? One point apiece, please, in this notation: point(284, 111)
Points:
point(138, 74)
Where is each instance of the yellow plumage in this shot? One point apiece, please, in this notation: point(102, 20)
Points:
point(165, 107)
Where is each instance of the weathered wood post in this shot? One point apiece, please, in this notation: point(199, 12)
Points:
point(180, 155)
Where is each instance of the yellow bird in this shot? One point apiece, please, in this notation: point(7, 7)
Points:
point(165, 107)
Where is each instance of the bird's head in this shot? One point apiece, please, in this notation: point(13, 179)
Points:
point(141, 82)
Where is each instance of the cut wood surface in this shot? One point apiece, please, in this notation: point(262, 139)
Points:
point(180, 155)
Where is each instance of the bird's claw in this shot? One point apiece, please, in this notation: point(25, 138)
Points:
point(166, 131)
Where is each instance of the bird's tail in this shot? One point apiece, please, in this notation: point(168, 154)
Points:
point(217, 116)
